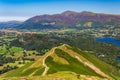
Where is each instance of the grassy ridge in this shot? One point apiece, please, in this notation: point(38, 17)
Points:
point(74, 65)
point(56, 67)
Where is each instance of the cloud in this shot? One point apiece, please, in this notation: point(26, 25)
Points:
point(9, 18)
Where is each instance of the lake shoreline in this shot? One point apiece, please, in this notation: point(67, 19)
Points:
point(108, 40)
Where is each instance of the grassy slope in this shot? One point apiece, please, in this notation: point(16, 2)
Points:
point(72, 67)
point(56, 76)
point(108, 69)
point(31, 69)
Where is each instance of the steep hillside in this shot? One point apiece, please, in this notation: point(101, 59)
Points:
point(70, 19)
point(65, 63)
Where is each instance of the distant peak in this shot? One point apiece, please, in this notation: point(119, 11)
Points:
point(86, 12)
point(69, 12)
point(14, 21)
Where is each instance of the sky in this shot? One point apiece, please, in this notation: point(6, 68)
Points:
point(22, 10)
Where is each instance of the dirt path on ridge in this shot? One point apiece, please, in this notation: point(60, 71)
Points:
point(44, 64)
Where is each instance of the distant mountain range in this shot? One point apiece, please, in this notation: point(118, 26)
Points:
point(65, 63)
point(67, 19)
point(9, 24)
point(70, 19)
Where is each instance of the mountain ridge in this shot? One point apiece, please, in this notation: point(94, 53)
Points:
point(69, 19)
point(66, 19)
point(66, 60)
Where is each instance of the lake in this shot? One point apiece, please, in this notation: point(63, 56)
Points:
point(109, 40)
